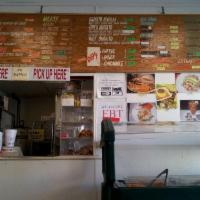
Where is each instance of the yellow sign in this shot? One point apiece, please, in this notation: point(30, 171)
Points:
point(20, 73)
point(37, 134)
point(161, 66)
point(196, 67)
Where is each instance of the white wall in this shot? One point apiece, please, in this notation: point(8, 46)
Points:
point(103, 6)
point(47, 180)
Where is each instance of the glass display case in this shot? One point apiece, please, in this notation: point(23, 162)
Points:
point(74, 118)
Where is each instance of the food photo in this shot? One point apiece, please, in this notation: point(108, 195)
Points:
point(188, 82)
point(142, 112)
point(140, 83)
point(166, 96)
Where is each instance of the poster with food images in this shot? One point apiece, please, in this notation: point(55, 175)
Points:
point(188, 82)
point(168, 108)
point(142, 112)
point(142, 83)
point(190, 110)
point(166, 96)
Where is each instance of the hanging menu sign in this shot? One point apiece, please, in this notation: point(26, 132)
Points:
point(116, 37)
point(101, 43)
point(35, 39)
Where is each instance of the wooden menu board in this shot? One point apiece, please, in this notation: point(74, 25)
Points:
point(101, 43)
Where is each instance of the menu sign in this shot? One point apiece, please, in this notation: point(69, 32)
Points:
point(102, 43)
point(35, 39)
point(117, 37)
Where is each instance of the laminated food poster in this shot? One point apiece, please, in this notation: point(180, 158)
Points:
point(188, 86)
point(142, 113)
point(110, 85)
point(188, 83)
point(166, 96)
point(190, 110)
point(140, 87)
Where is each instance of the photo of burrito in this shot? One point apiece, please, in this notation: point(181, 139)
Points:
point(140, 83)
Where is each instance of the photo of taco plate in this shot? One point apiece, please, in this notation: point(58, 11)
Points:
point(140, 83)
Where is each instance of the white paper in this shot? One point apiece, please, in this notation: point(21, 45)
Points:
point(140, 98)
point(67, 101)
point(168, 115)
point(111, 85)
point(116, 110)
point(86, 102)
point(165, 78)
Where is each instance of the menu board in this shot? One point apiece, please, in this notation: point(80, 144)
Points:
point(101, 43)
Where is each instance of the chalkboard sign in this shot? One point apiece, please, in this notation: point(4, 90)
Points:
point(101, 43)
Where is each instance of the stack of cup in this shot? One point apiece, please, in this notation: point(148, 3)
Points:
point(10, 136)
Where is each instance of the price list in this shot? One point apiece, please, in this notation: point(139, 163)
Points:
point(36, 40)
point(113, 41)
point(192, 39)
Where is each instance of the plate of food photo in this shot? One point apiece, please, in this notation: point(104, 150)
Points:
point(188, 82)
point(141, 83)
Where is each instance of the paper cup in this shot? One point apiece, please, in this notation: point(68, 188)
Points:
point(1, 140)
point(10, 135)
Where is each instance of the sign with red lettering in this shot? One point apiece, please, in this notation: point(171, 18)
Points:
point(5, 72)
point(50, 74)
point(114, 110)
point(93, 56)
